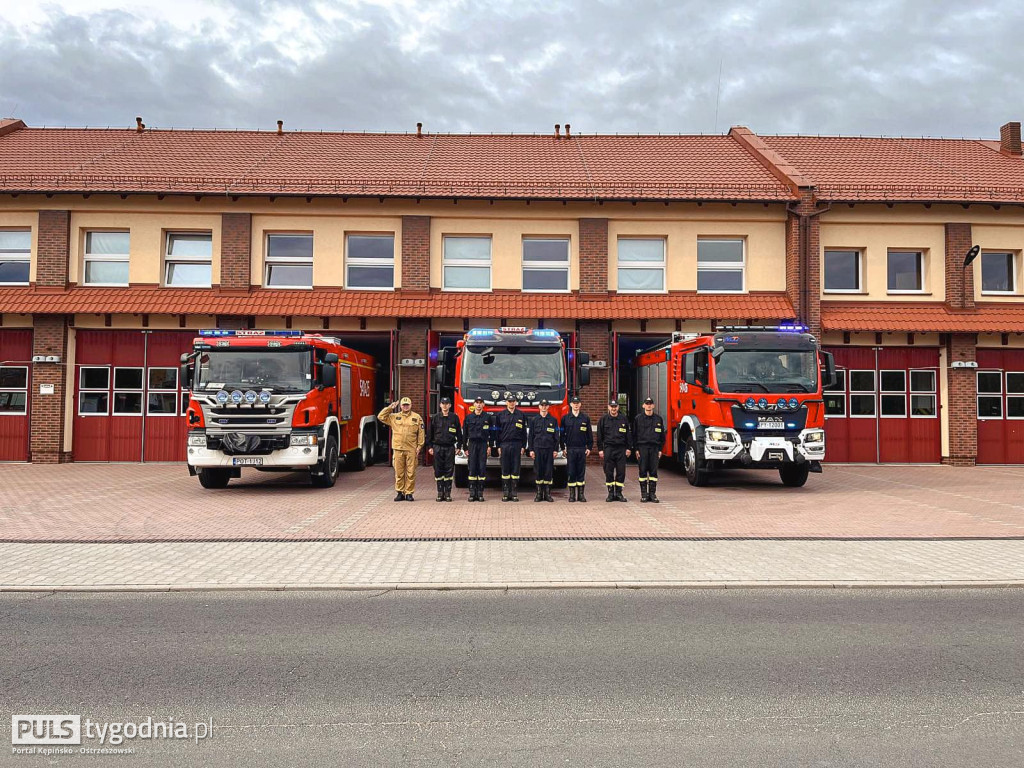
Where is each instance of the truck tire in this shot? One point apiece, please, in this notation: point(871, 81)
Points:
point(794, 475)
point(214, 478)
point(461, 476)
point(329, 465)
point(358, 459)
point(694, 464)
point(560, 477)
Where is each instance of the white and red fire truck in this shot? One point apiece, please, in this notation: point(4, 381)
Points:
point(741, 397)
point(277, 401)
point(532, 364)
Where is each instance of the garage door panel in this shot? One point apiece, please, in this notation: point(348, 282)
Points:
point(15, 394)
point(1001, 436)
point(125, 438)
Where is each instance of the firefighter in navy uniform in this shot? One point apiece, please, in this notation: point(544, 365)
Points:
point(577, 442)
point(445, 439)
point(648, 440)
point(613, 441)
point(510, 426)
point(479, 436)
point(542, 443)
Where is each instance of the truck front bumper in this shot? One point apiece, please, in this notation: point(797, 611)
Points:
point(764, 452)
point(294, 457)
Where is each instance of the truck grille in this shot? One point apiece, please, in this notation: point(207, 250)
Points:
point(273, 418)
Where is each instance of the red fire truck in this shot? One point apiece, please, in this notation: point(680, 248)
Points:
point(532, 364)
point(277, 401)
point(741, 397)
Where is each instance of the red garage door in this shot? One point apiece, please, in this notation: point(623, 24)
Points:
point(1000, 406)
point(15, 374)
point(884, 406)
point(128, 403)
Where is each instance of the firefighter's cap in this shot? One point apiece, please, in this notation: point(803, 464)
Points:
point(613, 403)
point(446, 401)
point(575, 400)
point(510, 398)
point(649, 400)
point(544, 402)
point(405, 401)
point(478, 400)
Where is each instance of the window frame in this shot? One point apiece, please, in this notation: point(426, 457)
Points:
point(161, 391)
point(368, 262)
point(12, 256)
point(717, 266)
point(169, 259)
point(892, 393)
point(661, 266)
point(546, 266)
point(859, 254)
point(873, 392)
point(89, 390)
point(1000, 395)
point(933, 393)
point(1014, 272)
point(922, 263)
point(114, 390)
point(477, 263)
point(88, 258)
point(1016, 395)
point(838, 391)
point(268, 260)
point(25, 389)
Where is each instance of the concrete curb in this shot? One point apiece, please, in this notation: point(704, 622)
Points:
point(508, 586)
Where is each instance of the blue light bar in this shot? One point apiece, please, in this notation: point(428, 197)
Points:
point(546, 333)
point(477, 333)
point(792, 328)
point(246, 332)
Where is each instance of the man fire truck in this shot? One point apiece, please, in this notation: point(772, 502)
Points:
point(493, 363)
point(741, 397)
point(277, 401)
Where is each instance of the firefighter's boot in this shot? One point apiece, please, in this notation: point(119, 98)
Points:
point(579, 494)
point(547, 493)
point(506, 494)
point(611, 492)
point(572, 494)
point(447, 490)
point(540, 493)
point(440, 490)
point(644, 498)
point(513, 491)
point(479, 490)
point(653, 495)
point(618, 494)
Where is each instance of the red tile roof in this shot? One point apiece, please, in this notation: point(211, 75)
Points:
point(920, 317)
point(877, 169)
point(340, 303)
point(434, 165)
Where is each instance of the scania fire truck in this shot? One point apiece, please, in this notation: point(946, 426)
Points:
point(741, 397)
point(277, 401)
point(532, 364)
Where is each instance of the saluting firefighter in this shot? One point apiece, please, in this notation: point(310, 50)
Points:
point(445, 440)
point(510, 425)
point(613, 441)
point(478, 431)
point(648, 440)
point(542, 443)
point(407, 436)
point(577, 442)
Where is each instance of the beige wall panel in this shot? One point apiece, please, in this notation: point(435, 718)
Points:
point(16, 321)
point(995, 340)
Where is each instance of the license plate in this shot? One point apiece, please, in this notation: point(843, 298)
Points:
point(248, 461)
point(776, 455)
point(770, 424)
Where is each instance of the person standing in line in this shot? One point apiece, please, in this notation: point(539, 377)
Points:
point(407, 437)
point(479, 435)
point(648, 440)
point(445, 440)
point(613, 441)
point(541, 445)
point(577, 442)
point(510, 425)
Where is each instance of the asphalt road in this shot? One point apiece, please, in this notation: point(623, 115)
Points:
point(618, 678)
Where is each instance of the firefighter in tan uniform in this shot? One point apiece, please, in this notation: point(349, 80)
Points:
point(407, 436)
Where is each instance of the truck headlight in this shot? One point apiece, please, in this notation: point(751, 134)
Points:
point(720, 436)
point(815, 436)
point(303, 440)
point(197, 440)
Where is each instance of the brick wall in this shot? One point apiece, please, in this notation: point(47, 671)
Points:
point(412, 381)
point(594, 258)
point(959, 280)
point(594, 337)
point(961, 404)
point(46, 443)
point(235, 251)
point(803, 272)
point(53, 248)
point(415, 253)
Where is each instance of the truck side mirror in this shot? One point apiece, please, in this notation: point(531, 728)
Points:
point(583, 358)
point(183, 373)
point(328, 373)
point(828, 373)
point(584, 377)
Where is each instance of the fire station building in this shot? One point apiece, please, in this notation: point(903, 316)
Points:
point(117, 245)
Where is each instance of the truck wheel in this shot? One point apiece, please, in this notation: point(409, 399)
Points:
point(214, 478)
point(329, 465)
point(358, 459)
point(461, 476)
point(560, 477)
point(794, 475)
point(693, 464)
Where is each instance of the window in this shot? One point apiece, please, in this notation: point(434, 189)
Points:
point(922, 394)
point(862, 394)
point(893, 397)
point(1015, 395)
point(467, 263)
point(990, 395)
point(842, 271)
point(998, 272)
point(720, 266)
point(906, 271)
point(13, 390)
point(545, 264)
point(289, 262)
point(835, 395)
point(106, 258)
point(370, 261)
point(15, 256)
point(128, 391)
point(93, 394)
point(188, 260)
point(641, 265)
point(162, 398)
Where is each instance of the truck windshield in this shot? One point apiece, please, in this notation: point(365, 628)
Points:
point(514, 366)
point(282, 370)
point(767, 370)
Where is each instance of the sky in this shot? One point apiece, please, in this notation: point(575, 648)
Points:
point(859, 67)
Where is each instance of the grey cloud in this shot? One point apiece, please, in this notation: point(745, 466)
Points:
point(877, 68)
